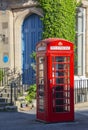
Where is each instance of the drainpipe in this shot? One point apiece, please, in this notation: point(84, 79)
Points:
point(84, 19)
point(13, 39)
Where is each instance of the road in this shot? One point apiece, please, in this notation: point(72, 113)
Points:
point(27, 121)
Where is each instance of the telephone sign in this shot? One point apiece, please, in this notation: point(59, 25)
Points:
point(60, 48)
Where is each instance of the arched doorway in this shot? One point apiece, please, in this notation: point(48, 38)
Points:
point(31, 34)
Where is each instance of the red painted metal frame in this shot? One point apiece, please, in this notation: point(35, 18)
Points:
point(43, 49)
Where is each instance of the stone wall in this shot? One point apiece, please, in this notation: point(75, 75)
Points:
point(12, 15)
point(4, 36)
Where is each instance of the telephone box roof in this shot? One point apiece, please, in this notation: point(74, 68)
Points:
point(49, 40)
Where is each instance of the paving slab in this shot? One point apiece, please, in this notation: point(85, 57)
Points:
point(26, 120)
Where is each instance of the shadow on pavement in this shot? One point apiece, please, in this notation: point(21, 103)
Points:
point(27, 121)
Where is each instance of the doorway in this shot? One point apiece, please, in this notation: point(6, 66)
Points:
point(31, 34)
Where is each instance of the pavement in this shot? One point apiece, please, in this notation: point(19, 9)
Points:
point(26, 120)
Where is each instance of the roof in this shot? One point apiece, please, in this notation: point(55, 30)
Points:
point(48, 40)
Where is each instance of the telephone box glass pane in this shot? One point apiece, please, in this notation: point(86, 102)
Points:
point(61, 86)
point(41, 84)
point(41, 73)
point(41, 67)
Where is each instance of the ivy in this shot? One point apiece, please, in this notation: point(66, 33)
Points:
point(59, 18)
point(1, 74)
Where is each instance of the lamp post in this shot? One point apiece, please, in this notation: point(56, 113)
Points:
point(13, 85)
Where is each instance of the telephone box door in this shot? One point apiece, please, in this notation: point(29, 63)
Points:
point(61, 87)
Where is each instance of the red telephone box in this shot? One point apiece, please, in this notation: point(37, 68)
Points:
point(55, 80)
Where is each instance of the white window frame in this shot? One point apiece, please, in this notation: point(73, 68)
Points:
point(81, 19)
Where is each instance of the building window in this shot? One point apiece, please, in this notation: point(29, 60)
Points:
point(6, 40)
point(5, 25)
point(80, 43)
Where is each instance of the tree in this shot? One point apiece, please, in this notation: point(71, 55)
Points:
point(59, 18)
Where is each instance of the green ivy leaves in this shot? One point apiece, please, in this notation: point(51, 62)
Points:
point(59, 18)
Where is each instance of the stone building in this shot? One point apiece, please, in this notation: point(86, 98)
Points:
point(20, 22)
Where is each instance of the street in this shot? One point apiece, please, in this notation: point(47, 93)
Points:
point(27, 121)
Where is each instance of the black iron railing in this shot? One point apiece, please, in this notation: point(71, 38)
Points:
point(10, 84)
point(7, 77)
point(81, 90)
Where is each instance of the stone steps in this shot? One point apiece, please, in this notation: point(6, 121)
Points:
point(8, 108)
point(4, 106)
point(6, 93)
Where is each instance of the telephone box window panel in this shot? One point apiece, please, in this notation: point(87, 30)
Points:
point(55, 80)
point(40, 75)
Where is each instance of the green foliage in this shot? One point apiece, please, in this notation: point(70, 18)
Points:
point(1, 74)
point(33, 55)
point(31, 93)
point(59, 18)
point(79, 3)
